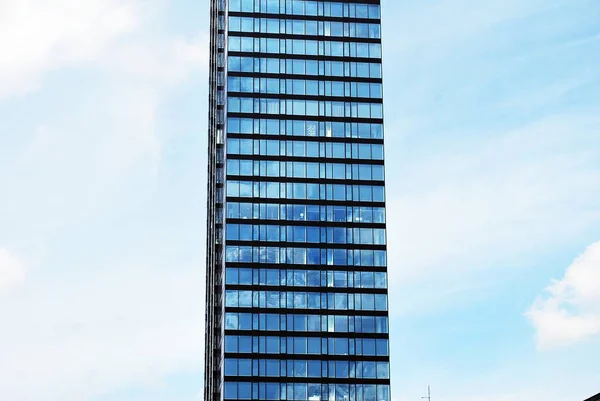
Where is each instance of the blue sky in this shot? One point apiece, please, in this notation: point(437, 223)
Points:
point(493, 164)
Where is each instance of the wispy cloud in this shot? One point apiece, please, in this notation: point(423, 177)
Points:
point(571, 310)
point(100, 135)
point(37, 36)
point(494, 147)
point(492, 159)
point(446, 21)
point(489, 200)
point(83, 334)
point(12, 271)
point(114, 298)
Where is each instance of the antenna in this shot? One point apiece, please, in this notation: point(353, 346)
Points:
point(428, 398)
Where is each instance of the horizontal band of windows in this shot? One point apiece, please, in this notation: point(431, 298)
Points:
point(304, 213)
point(316, 200)
point(298, 47)
point(303, 173)
point(302, 322)
point(270, 391)
point(314, 159)
point(243, 367)
point(291, 36)
point(285, 357)
point(311, 267)
point(304, 223)
point(298, 147)
point(305, 87)
point(239, 53)
point(320, 202)
point(275, 300)
point(240, 74)
point(348, 8)
point(283, 96)
point(359, 189)
point(314, 118)
point(315, 245)
point(309, 357)
point(314, 163)
point(306, 278)
point(285, 168)
point(322, 312)
point(333, 181)
point(288, 24)
point(277, 233)
point(322, 131)
point(305, 17)
point(313, 185)
point(345, 290)
point(317, 46)
point(281, 390)
point(324, 380)
point(305, 191)
point(300, 106)
point(295, 345)
point(306, 368)
point(306, 255)
point(311, 334)
point(304, 67)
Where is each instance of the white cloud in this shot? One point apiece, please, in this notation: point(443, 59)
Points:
point(12, 271)
point(37, 36)
point(85, 163)
point(484, 175)
point(102, 135)
point(481, 201)
point(440, 32)
point(571, 312)
point(90, 139)
point(86, 333)
point(162, 62)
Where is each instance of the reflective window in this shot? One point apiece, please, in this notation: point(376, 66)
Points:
point(304, 219)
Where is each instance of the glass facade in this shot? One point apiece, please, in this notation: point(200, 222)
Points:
point(297, 300)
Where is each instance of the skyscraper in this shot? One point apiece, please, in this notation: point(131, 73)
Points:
point(297, 305)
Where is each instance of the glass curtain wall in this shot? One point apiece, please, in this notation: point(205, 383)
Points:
point(303, 306)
